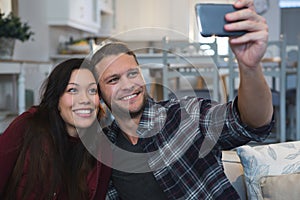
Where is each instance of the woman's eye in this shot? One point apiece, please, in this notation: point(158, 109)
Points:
point(72, 90)
point(93, 91)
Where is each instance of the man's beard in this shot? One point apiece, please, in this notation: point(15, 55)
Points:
point(140, 111)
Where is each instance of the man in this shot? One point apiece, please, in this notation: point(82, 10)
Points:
point(172, 149)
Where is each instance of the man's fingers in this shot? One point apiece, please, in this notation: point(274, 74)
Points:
point(244, 4)
point(251, 25)
point(252, 36)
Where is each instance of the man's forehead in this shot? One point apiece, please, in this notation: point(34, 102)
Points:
point(116, 64)
point(119, 61)
point(106, 61)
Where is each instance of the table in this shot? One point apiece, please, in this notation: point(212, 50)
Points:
point(271, 67)
point(279, 69)
point(189, 65)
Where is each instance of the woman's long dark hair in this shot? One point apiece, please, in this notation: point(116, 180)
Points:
point(55, 163)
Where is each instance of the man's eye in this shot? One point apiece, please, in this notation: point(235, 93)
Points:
point(133, 74)
point(93, 91)
point(113, 80)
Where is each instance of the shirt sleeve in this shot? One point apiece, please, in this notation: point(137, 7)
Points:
point(223, 129)
point(236, 133)
point(11, 141)
point(112, 193)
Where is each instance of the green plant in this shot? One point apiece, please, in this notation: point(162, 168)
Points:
point(12, 27)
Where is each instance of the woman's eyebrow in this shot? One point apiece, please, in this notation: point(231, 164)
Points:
point(76, 84)
point(72, 83)
point(93, 83)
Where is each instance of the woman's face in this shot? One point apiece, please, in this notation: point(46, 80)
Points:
point(79, 104)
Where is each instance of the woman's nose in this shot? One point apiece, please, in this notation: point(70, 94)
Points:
point(84, 98)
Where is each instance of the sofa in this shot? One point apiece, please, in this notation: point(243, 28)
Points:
point(269, 171)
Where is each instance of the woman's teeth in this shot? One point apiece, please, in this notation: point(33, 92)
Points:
point(83, 111)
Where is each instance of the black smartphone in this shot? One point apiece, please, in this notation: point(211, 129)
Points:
point(211, 19)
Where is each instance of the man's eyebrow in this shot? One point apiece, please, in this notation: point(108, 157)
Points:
point(114, 75)
point(111, 76)
point(134, 68)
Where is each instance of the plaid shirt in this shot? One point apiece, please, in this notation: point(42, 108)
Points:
point(186, 138)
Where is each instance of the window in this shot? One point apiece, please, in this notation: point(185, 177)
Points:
point(5, 6)
point(289, 3)
point(8, 6)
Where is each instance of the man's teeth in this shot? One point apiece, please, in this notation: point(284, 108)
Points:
point(83, 111)
point(129, 97)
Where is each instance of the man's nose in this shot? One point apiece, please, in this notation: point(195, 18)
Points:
point(126, 84)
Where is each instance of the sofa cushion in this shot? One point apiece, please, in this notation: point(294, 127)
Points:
point(234, 172)
point(266, 160)
point(281, 187)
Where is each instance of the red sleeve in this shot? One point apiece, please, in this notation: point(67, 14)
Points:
point(11, 141)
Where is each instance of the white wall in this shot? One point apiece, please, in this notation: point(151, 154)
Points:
point(34, 12)
point(274, 20)
point(46, 39)
point(44, 45)
point(290, 25)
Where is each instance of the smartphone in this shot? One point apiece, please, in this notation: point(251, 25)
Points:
point(211, 19)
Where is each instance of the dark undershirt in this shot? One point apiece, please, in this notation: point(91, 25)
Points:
point(139, 186)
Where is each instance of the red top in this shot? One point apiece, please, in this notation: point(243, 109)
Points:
point(10, 145)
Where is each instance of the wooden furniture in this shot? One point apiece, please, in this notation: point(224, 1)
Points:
point(181, 59)
point(12, 72)
point(293, 112)
point(298, 96)
point(275, 67)
point(17, 72)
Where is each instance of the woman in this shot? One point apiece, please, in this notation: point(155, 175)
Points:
point(41, 154)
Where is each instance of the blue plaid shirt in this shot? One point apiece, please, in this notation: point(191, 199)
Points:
point(185, 138)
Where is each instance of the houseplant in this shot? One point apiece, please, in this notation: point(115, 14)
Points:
point(11, 29)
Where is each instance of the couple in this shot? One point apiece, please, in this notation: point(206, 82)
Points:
point(153, 150)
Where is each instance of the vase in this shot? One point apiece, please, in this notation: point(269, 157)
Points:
point(6, 48)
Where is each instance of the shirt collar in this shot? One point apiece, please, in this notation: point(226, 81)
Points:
point(152, 121)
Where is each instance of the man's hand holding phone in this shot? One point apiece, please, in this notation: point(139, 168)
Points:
point(211, 19)
point(248, 39)
point(247, 31)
